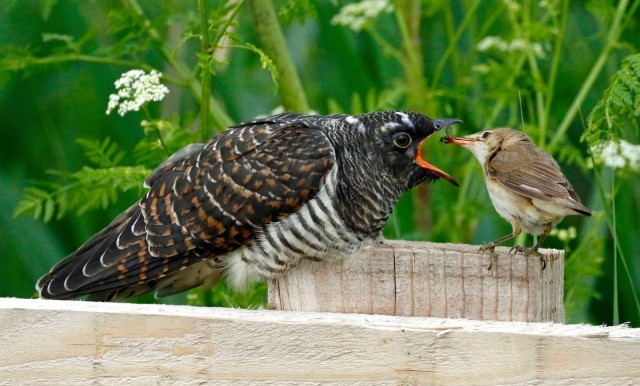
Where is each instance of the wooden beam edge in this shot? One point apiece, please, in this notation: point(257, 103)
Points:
point(391, 323)
point(65, 342)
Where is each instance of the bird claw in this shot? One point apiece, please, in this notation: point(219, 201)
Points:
point(491, 248)
point(529, 251)
point(525, 251)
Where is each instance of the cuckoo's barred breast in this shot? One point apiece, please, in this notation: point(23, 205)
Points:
point(252, 202)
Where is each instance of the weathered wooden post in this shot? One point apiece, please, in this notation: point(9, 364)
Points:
point(428, 279)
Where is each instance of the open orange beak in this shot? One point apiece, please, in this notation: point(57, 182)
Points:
point(438, 124)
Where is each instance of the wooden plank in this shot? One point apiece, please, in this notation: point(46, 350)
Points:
point(80, 343)
point(428, 279)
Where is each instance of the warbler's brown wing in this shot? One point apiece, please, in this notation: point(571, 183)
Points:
point(529, 171)
point(202, 204)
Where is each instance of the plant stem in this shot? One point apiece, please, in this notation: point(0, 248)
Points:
point(220, 118)
point(540, 95)
point(164, 146)
point(205, 71)
point(555, 61)
point(469, 16)
point(229, 18)
point(412, 52)
point(270, 34)
point(407, 14)
point(387, 48)
point(157, 131)
point(614, 232)
point(74, 57)
point(511, 78)
point(610, 217)
point(611, 42)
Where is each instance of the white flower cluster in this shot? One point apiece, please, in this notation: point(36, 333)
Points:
point(564, 234)
point(135, 88)
point(497, 43)
point(618, 154)
point(356, 15)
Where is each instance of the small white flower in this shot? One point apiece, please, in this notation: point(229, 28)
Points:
point(134, 89)
point(516, 45)
point(490, 42)
point(565, 234)
point(356, 15)
point(522, 45)
point(617, 154)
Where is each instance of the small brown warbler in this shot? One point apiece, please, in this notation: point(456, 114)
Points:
point(525, 184)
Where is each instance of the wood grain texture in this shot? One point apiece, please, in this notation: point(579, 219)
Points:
point(45, 342)
point(428, 279)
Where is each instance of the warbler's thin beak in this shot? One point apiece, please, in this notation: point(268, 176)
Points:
point(461, 141)
point(437, 125)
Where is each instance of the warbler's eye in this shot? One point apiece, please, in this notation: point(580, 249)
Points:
point(402, 140)
point(486, 134)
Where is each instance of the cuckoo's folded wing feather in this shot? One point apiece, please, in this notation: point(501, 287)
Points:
point(203, 203)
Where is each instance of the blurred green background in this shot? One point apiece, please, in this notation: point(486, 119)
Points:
point(538, 66)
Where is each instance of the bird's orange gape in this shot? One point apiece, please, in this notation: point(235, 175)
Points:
point(437, 171)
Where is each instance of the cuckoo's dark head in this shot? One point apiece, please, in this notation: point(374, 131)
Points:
point(396, 137)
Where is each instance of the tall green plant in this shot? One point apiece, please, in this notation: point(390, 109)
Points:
point(136, 36)
point(526, 64)
point(613, 120)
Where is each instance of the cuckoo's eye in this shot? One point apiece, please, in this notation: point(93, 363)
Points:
point(402, 140)
point(486, 134)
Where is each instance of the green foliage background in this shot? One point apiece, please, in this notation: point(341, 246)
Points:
point(552, 68)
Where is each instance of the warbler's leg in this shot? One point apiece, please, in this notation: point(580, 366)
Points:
point(515, 231)
point(545, 233)
point(534, 249)
point(491, 247)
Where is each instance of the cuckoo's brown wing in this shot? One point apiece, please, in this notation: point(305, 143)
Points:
point(202, 204)
point(541, 179)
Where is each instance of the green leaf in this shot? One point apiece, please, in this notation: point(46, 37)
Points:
point(83, 190)
point(265, 61)
point(13, 59)
point(103, 154)
point(37, 201)
point(619, 106)
point(131, 31)
point(298, 10)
